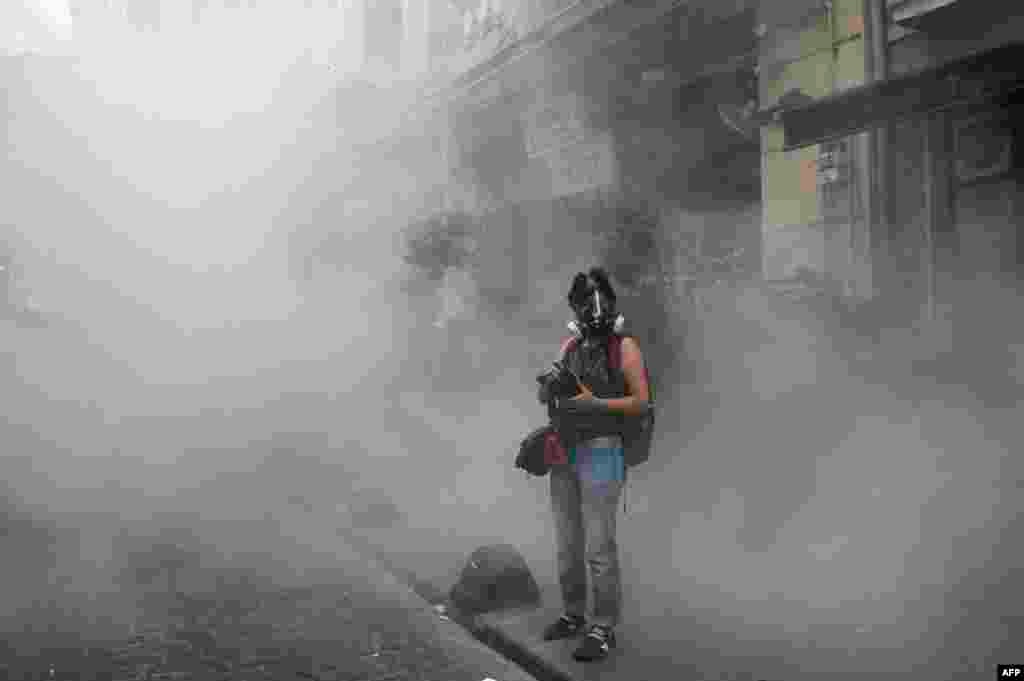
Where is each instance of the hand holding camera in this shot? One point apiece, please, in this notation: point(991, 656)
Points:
point(557, 384)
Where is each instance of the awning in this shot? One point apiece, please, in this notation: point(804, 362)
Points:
point(984, 76)
point(907, 10)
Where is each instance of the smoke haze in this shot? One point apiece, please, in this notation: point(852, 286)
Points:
point(191, 380)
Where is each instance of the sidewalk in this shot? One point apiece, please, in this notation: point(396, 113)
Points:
point(689, 654)
point(516, 634)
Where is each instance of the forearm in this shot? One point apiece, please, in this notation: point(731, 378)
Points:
point(630, 405)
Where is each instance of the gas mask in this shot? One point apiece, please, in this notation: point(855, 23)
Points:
point(595, 315)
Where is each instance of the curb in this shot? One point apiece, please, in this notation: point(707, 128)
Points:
point(491, 636)
point(515, 651)
point(424, 590)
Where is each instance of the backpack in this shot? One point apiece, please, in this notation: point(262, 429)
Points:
point(638, 432)
point(533, 451)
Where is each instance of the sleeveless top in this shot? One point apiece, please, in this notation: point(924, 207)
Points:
point(596, 452)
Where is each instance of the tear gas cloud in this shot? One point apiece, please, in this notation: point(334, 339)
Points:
point(186, 379)
point(153, 219)
point(190, 380)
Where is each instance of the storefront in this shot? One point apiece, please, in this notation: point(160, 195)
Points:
point(945, 245)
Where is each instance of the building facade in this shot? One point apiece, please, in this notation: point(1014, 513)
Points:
point(902, 166)
point(650, 136)
point(577, 133)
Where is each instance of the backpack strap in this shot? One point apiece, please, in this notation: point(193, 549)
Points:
point(615, 352)
point(567, 345)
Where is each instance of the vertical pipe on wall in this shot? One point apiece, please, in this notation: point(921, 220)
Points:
point(876, 54)
point(879, 20)
point(931, 206)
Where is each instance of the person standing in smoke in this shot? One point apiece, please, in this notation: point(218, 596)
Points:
point(587, 483)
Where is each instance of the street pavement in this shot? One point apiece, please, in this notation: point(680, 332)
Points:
point(353, 619)
point(361, 624)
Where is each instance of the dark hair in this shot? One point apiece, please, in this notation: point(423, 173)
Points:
point(579, 285)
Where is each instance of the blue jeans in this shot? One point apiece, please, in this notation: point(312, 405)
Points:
point(585, 498)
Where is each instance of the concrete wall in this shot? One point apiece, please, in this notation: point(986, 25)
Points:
point(817, 53)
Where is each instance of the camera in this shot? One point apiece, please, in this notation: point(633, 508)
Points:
point(557, 383)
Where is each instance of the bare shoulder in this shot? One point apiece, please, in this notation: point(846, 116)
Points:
point(630, 350)
point(630, 344)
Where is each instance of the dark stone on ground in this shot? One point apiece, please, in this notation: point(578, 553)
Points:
point(495, 577)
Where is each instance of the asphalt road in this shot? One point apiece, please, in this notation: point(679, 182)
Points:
point(361, 624)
